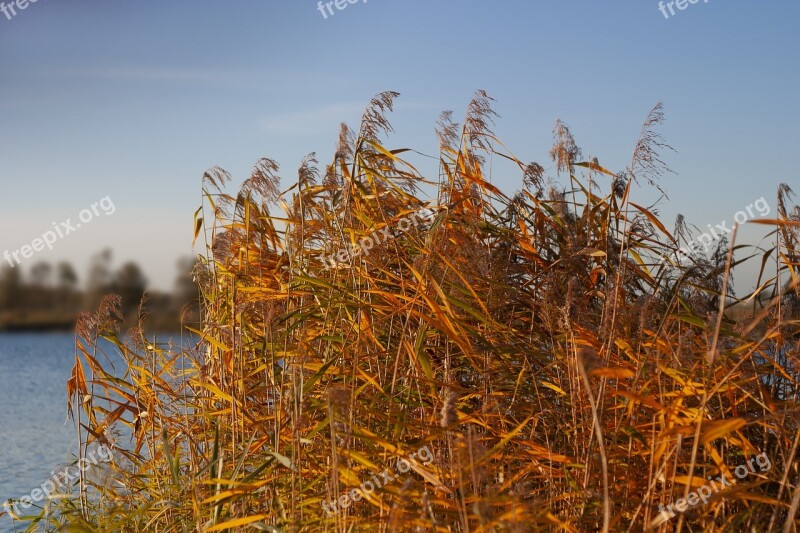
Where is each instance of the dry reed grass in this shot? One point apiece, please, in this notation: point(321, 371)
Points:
point(564, 377)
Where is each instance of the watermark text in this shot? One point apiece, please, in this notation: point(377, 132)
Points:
point(59, 231)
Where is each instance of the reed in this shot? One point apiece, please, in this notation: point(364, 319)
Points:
point(563, 376)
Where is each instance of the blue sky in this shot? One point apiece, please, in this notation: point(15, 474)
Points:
point(134, 100)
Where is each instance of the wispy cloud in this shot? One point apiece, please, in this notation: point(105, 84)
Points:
point(149, 74)
point(311, 121)
point(273, 79)
point(131, 73)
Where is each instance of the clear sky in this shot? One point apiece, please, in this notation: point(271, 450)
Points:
point(135, 99)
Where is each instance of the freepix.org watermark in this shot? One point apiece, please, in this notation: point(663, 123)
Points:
point(366, 244)
point(680, 4)
point(705, 492)
point(60, 482)
point(705, 241)
point(10, 10)
point(59, 231)
point(371, 485)
point(326, 8)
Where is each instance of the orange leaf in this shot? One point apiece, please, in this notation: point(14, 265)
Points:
point(717, 428)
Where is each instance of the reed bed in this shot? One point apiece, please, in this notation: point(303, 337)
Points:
point(561, 373)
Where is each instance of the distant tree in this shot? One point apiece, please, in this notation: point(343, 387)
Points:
point(42, 275)
point(67, 279)
point(185, 287)
point(98, 281)
point(10, 288)
point(130, 283)
point(40, 291)
point(185, 298)
point(67, 297)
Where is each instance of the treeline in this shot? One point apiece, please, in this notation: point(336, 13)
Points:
point(51, 296)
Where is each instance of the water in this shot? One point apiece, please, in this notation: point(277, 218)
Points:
point(34, 434)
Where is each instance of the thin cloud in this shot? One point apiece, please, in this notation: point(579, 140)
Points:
point(151, 74)
point(312, 121)
point(280, 79)
point(132, 74)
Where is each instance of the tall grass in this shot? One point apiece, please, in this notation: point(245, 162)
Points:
point(564, 376)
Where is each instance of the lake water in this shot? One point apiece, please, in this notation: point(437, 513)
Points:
point(34, 434)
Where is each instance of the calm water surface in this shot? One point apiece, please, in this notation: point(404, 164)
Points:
point(34, 434)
